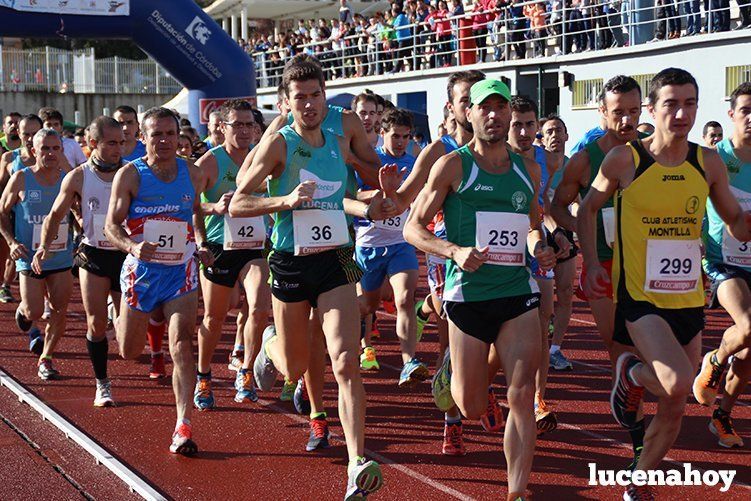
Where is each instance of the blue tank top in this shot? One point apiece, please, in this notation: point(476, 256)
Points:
point(17, 164)
point(36, 204)
point(332, 123)
point(138, 152)
point(450, 143)
point(162, 201)
point(542, 160)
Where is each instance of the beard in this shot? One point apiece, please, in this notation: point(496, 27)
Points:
point(466, 125)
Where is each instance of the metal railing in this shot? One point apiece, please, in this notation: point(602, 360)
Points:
point(511, 35)
point(49, 69)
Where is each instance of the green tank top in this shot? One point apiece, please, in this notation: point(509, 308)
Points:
point(493, 210)
point(596, 156)
point(225, 182)
point(325, 166)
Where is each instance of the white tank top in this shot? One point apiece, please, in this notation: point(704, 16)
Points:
point(95, 199)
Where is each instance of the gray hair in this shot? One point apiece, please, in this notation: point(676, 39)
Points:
point(43, 133)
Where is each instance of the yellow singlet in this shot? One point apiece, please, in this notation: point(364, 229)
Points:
point(657, 252)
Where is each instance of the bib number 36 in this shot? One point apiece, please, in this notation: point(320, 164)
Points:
point(318, 230)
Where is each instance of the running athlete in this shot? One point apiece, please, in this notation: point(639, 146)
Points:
point(620, 109)
point(382, 253)
point(712, 134)
point(489, 200)
point(128, 118)
point(237, 245)
point(157, 197)
point(728, 265)
point(11, 139)
point(53, 119)
point(660, 186)
point(20, 158)
point(457, 90)
point(214, 127)
point(311, 261)
point(26, 200)
point(98, 261)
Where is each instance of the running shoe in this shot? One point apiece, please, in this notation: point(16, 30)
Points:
point(235, 361)
point(626, 396)
point(6, 296)
point(388, 306)
point(301, 399)
point(639, 493)
point(374, 332)
point(420, 322)
point(103, 397)
point(413, 372)
point(559, 362)
point(244, 387)
point(157, 369)
point(368, 360)
point(288, 390)
point(492, 420)
point(363, 478)
point(182, 442)
point(22, 322)
point(319, 434)
point(45, 370)
point(453, 443)
point(707, 381)
point(545, 419)
point(36, 342)
point(203, 397)
point(441, 385)
point(635, 461)
point(264, 371)
point(111, 314)
point(722, 427)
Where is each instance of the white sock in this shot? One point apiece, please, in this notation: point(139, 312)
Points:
point(554, 348)
point(182, 421)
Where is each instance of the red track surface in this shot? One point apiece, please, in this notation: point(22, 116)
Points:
point(257, 450)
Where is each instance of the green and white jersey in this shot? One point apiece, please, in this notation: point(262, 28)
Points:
point(490, 210)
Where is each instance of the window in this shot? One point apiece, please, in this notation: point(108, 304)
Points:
point(644, 80)
point(586, 93)
point(736, 75)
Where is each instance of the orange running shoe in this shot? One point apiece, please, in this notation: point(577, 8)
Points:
point(545, 419)
point(388, 306)
point(492, 420)
point(722, 427)
point(707, 381)
point(157, 369)
point(453, 443)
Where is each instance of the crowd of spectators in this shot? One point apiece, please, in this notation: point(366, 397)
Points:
point(421, 34)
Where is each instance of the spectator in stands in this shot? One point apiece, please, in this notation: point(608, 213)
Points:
point(693, 17)
point(720, 15)
point(535, 12)
point(613, 12)
point(574, 28)
point(518, 28)
point(712, 134)
point(588, 23)
point(403, 36)
point(443, 34)
point(345, 13)
point(480, 21)
point(744, 6)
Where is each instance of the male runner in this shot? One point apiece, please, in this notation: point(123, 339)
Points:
point(311, 261)
point(620, 109)
point(128, 118)
point(216, 136)
point(11, 140)
point(712, 134)
point(29, 196)
point(660, 186)
point(157, 196)
point(489, 200)
point(728, 265)
point(237, 245)
point(98, 261)
point(22, 157)
point(53, 119)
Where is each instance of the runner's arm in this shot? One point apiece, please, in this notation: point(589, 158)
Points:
point(364, 158)
point(536, 244)
point(416, 180)
point(5, 162)
point(275, 126)
point(207, 165)
point(69, 190)
point(124, 186)
point(567, 191)
point(378, 208)
point(737, 220)
point(198, 178)
point(9, 200)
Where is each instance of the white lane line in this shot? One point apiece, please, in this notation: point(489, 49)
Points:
point(101, 455)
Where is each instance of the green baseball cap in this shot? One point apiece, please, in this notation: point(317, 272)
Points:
point(486, 88)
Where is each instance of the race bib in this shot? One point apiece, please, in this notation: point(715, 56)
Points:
point(673, 266)
point(317, 230)
point(395, 223)
point(244, 233)
point(171, 238)
point(505, 235)
point(100, 239)
point(608, 224)
point(60, 243)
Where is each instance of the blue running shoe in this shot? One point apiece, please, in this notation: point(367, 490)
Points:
point(300, 398)
point(36, 342)
point(363, 479)
point(319, 434)
point(264, 371)
point(244, 387)
point(413, 372)
point(203, 397)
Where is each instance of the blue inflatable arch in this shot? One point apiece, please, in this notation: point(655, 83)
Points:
point(175, 33)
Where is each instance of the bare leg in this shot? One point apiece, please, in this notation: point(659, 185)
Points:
point(544, 313)
point(404, 285)
point(291, 349)
point(181, 317)
point(314, 376)
point(564, 291)
point(258, 298)
point(59, 287)
point(216, 301)
point(735, 297)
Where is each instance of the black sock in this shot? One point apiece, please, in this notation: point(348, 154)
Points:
point(637, 436)
point(204, 374)
point(98, 355)
point(719, 413)
point(422, 315)
point(362, 328)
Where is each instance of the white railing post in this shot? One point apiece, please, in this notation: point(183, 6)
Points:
point(47, 68)
point(117, 76)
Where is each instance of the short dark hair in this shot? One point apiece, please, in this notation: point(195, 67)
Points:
point(184, 122)
point(709, 124)
point(365, 98)
point(380, 101)
point(619, 84)
point(301, 68)
point(280, 92)
point(523, 104)
point(80, 132)
point(743, 89)
point(393, 117)
point(670, 76)
point(14, 114)
point(551, 117)
point(33, 118)
point(125, 109)
point(158, 112)
point(471, 77)
point(47, 113)
point(97, 126)
point(234, 105)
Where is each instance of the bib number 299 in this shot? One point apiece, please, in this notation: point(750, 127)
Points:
point(675, 266)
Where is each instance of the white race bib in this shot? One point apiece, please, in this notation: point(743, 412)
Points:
point(735, 252)
point(244, 233)
point(608, 224)
point(171, 238)
point(100, 239)
point(60, 243)
point(505, 235)
point(673, 266)
point(395, 223)
point(317, 230)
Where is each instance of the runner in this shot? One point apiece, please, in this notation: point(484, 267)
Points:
point(216, 136)
point(712, 134)
point(237, 245)
point(128, 118)
point(26, 200)
point(620, 109)
point(20, 158)
point(157, 197)
point(489, 199)
point(660, 186)
point(311, 260)
point(12, 139)
point(99, 263)
point(728, 265)
point(53, 119)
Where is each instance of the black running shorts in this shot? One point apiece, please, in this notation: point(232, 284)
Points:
point(228, 264)
point(483, 319)
point(102, 263)
point(685, 323)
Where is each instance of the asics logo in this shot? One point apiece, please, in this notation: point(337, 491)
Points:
point(482, 187)
point(323, 188)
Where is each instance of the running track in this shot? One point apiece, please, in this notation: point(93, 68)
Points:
point(257, 450)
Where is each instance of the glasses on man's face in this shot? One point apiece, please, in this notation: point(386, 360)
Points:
point(241, 125)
